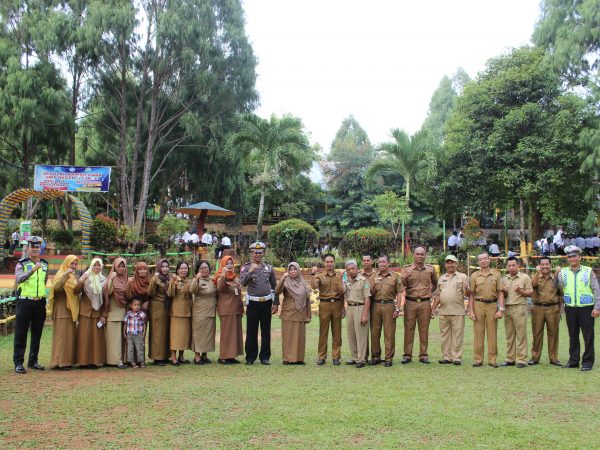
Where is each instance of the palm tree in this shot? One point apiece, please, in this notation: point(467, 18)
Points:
point(411, 157)
point(278, 146)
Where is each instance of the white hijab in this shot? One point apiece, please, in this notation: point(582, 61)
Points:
point(93, 285)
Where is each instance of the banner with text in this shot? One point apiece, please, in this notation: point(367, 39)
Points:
point(72, 178)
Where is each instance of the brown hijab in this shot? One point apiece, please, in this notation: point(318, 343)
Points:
point(297, 287)
point(138, 284)
point(119, 284)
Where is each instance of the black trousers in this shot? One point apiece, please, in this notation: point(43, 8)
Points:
point(32, 314)
point(258, 313)
point(580, 318)
point(219, 249)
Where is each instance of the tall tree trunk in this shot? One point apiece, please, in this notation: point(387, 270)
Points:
point(57, 210)
point(261, 212)
point(74, 101)
point(123, 191)
point(522, 220)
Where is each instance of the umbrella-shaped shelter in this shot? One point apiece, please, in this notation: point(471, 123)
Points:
point(202, 210)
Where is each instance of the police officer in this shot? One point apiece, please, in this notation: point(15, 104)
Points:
point(31, 275)
point(581, 296)
point(259, 279)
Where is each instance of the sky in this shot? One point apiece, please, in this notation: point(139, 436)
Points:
point(378, 60)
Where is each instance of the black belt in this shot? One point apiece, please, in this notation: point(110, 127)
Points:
point(384, 302)
point(545, 305)
point(329, 300)
point(486, 301)
point(418, 300)
point(33, 299)
point(356, 304)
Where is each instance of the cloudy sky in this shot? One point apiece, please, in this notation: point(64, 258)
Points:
point(379, 60)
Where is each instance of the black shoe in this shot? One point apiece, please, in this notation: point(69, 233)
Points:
point(521, 365)
point(36, 366)
point(457, 363)
point(160, 362)
point(183, 361)
point(444, 361)
point(387, 364)
point(20, 369)
point(206, 360)
point(494, 365)
point(507, 364)
point(199, 362)
point(336, 362)
point(248, 363)
point(424, 360)
point(360, 365)
point(405, 360)
point(556, 363)
point(532, 362)
point(121, 366)
point(265, 362)
point(175, 363)
point(286, 363)
point(320, 362)
point(64, 368)
point(234, 361)
point(300, 363)
point(93, 367)
point(477, 364)
point(585, 368)
point(570, 366)
point(375, 361)
point(351, 363)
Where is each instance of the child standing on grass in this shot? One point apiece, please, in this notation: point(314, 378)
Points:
point(135, 333)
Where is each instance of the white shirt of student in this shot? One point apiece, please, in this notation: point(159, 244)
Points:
point(226, 241)
point(494, 249)
point(580, 242)
point(15, 236)
point(589, 242)
point(186, 237)
point(452, 241)
point(194, 238)
point(558, 239)
point(207, 239)
point(596, 241)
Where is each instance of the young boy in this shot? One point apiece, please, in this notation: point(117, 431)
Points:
point(135, 333)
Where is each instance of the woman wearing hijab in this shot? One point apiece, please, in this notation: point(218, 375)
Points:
point(181, 313)
point(203, 313)
point(91, 343)
point(295, 314)
point(115, 302)
point(64, 304)
point(159, 314)
point(137, 286)
point(230, 310)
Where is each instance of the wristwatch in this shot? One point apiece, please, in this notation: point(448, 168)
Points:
point(501, 308)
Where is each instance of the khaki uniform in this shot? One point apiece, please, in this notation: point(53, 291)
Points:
point(451, 291)
point(515, 317)
point(331, 292)
point(485, 288)
point(419, 282)
point(547, 291)
point(357, 291)
point(384, 289)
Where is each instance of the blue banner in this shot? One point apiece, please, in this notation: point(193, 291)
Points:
point(72, 178)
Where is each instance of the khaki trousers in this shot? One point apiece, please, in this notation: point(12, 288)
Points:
point(549, 316)
point(383, 315)
point(330, 313)
point(485, 322)
point(358, 335)
point(452, 330)
point(416, 312)
point(515, 324)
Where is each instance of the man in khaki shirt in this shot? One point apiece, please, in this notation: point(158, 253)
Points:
point(386, 288)
point(517, 287)
point(419, 280)
point(358, 300)
point(331, 308)
point(547, 304)
point(450, 296)
point(486, 305)
point(367, 266)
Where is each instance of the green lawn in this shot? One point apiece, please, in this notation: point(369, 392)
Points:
point(295, 406)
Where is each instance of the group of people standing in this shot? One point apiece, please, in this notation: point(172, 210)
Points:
point(101, 320)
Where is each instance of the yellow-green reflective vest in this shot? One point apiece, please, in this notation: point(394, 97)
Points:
point(35, 285)
point(577, 287)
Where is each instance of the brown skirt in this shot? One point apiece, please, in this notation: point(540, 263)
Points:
point(64, 340)
point(203, 332)
point(231, 341)
point(181, 333)
point(159, 332)
point(293, 340)
point(91, 343)
point(113, 333)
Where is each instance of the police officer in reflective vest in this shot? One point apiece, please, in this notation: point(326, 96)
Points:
point(259, 279)
point(31, 275)
point(582, 305)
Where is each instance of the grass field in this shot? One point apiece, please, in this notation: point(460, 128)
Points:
point(302, 406)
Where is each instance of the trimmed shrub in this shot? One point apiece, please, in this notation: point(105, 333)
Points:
point(367, 241)
point(104, 233)
point(63, 238)
point(291, 239)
